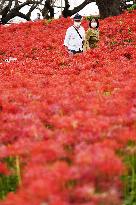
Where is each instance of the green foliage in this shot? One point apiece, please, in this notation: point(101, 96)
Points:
point(107, 93)
point(89, 18)
point(133, 7)
point(48, 21)
point(130, 178)
point(71, 183)
point(8, 183)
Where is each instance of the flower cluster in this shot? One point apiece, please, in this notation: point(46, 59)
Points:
point(65, 118)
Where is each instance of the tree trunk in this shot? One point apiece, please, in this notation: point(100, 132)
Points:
point(12, 15)
point(108, 8)
point(8, 13)
point(48, 10)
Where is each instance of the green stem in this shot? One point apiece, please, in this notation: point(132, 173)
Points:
point(18, 171)
point(133, 176)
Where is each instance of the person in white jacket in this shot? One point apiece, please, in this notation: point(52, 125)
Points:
point(75, 36)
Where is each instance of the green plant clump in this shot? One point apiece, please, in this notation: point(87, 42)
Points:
point(89, 18)
point(10, 182)
point(130, 178)
point(133, 7)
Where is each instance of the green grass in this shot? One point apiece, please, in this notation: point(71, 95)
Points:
point(130, 178)
point(10, 182)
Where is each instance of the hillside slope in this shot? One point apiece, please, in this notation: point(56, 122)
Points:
point(67, 119)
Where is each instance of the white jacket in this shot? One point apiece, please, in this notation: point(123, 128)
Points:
point(73, 40)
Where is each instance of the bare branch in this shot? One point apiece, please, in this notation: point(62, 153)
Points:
point(31, 9)
point(66, 12)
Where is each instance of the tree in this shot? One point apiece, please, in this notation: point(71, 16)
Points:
point(48, 10)
point(11, 8)
point(66, 12)
point(106, 7)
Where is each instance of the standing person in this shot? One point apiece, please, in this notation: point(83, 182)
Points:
point(75, 36)
point(38, 17)
point(0, 19)
point(92, 35)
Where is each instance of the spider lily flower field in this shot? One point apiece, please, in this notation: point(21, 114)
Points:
point(68, 123)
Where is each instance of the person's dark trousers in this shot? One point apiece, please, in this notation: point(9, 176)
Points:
point(74, 52)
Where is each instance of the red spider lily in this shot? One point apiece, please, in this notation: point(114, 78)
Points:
point(3, 169)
